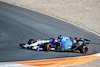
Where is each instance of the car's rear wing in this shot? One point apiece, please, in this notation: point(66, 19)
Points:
point(86, 41)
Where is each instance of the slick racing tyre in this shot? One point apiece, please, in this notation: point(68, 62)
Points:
point(31, 41)
point(84, 49)
point(47, 47)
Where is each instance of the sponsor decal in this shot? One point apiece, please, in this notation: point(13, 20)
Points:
point(40, 49)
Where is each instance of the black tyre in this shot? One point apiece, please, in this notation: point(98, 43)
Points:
point(31, 41)
point(84, 49)
point(47, 47)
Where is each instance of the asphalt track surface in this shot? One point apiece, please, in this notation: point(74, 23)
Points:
point(18, 25)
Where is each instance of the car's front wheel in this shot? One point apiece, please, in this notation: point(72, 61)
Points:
point(47, 47)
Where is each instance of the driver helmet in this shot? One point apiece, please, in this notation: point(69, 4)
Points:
point(56, 39)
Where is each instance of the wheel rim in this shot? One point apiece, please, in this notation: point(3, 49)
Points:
point(85, 49)
point(49, 47)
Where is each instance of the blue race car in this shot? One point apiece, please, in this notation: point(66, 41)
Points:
point(62, 43)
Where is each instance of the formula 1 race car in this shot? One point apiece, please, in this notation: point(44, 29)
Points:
point(62, 43)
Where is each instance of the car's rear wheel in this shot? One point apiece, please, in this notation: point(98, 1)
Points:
point(31, 41)
point(47, 47)
point(84, 49)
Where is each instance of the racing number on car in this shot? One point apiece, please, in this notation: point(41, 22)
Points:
point(64, 38)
